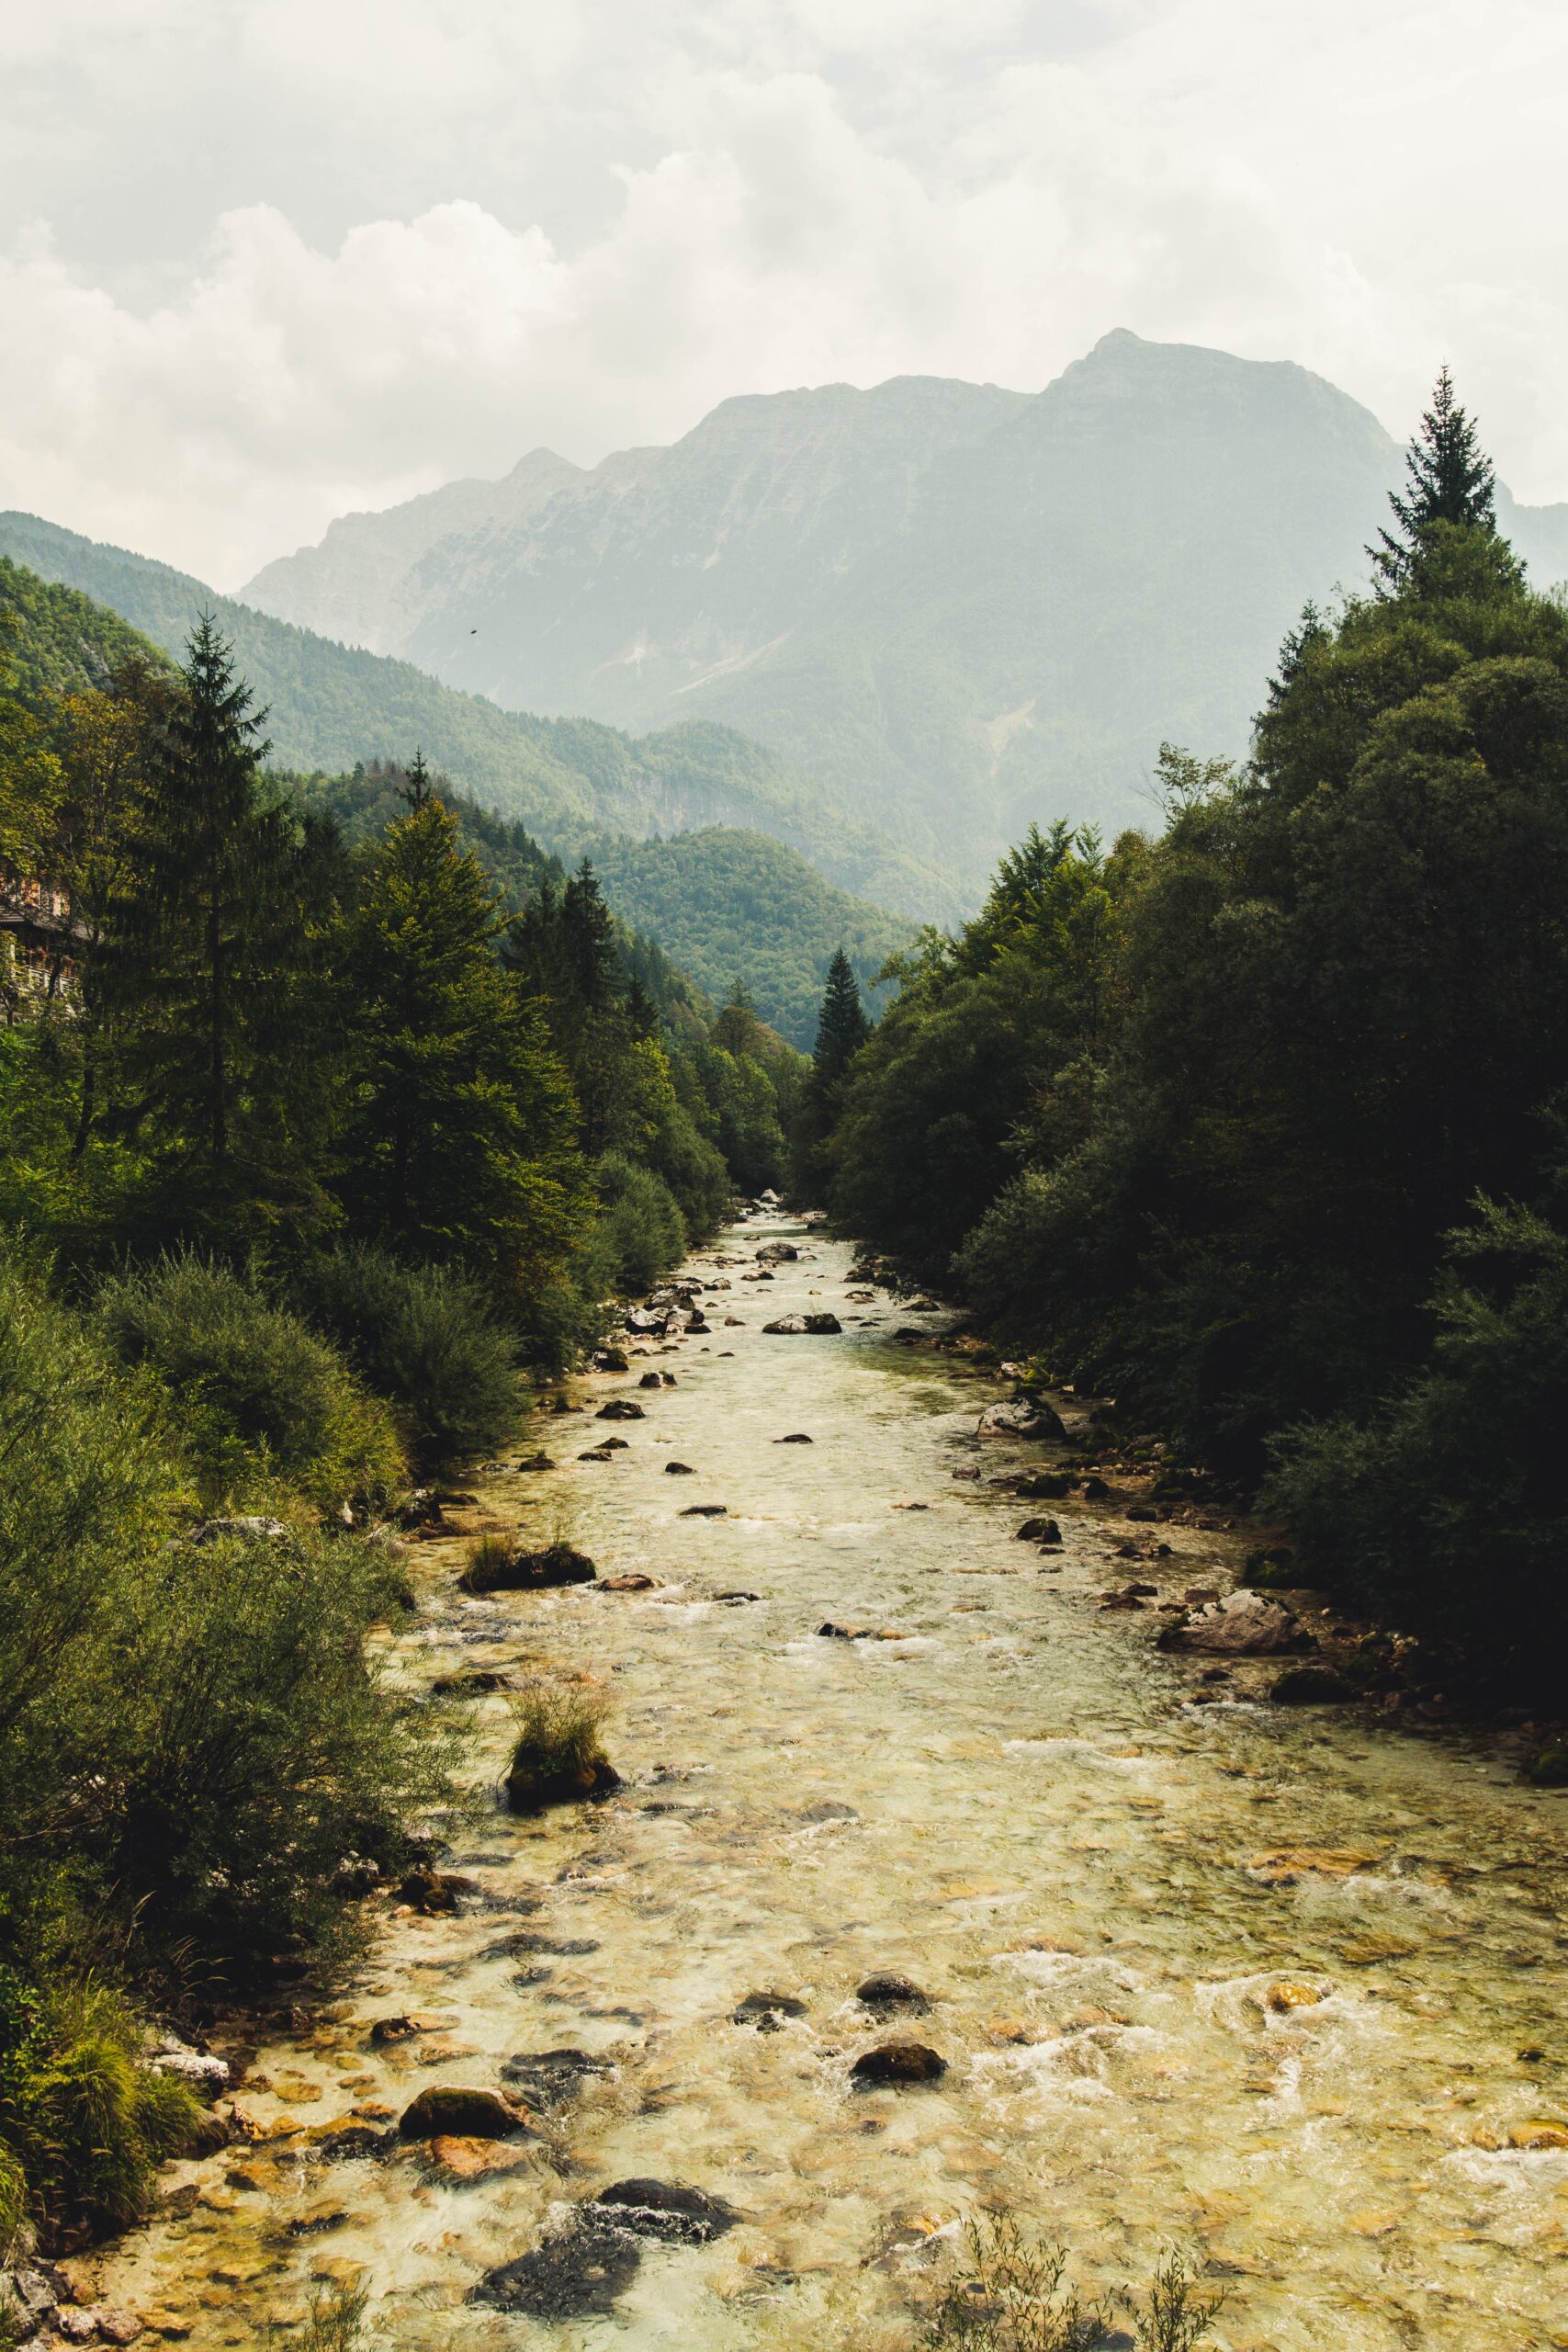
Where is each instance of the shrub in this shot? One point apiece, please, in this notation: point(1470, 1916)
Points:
point(335, 2321)
point(260, 1398)
point(82, 1504)
point(426, 1338)
point(558, 1755)
point(641, 1232)
point(261, 1749)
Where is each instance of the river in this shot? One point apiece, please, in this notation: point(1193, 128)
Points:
point(1100, 1868)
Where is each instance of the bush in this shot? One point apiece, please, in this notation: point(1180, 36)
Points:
point(424, 1337)
point(261, 1400)
point(641, 1231)
point(262, 1754)
point(558, 1755)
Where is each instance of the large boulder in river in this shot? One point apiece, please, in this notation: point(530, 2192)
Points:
point(777, 1253)
point(888, 1991)
point(1243, 1624)
point(621, 1409)
point(465, 2114)
point(899, 2062)
point(1022, 1416)
point(816, 1326)
point(503, 1567)
point(665, 2210)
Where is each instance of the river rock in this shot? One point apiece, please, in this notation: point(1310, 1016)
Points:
point(822, 1326)
point(651, 1380)
point(500, 1570)
point(580, 2274)
point(1044, 1486)
point(678, 1470)
point(458, 2162)
point(1311, 1686)
point(1243, 1624)
point(632, 1582)
point(611, 1360)
point(1021, 1417)
point(766, 2010)
point(899, 2062)
point(407, 2025)
point(537, 1777)
point(706, 1511)
point(777, 1253)
point(1093, 1489)
point(536, 1461)
point(552, 2078)
point(665, 2210)
point(446, 2110)
point(206, 2073)
point(621, 1409)
point(250, 1528)
point(1040, 1530)
point(430, 1890)
point(797, 1437)
point(889, 1991)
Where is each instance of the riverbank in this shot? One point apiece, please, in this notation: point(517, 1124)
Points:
point(1259, 1981)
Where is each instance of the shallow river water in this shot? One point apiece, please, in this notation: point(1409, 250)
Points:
point(1018, 1802)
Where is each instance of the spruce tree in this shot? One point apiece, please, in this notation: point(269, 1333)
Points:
point(211, 977)
point(461, 1130)
point(842, 1027)
point(1449, 478)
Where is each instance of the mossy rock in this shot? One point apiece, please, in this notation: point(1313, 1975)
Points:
point(497, 1568)
point(541, 1776)
point(1549, 1767)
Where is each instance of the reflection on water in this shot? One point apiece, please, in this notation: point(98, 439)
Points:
point(1246, 1979)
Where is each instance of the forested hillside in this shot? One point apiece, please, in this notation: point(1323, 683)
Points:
point(742, 906)
point(568, 780)
point(1258, 1126)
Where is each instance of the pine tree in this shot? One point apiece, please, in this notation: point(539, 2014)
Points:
point(1309, 632)
point(460, 1142)
point(1449, 478)
point(842, 1027)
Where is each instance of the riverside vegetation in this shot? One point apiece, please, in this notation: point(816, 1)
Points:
point(326, 1118)
point(1258, 1126)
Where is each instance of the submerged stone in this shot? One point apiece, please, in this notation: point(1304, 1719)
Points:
point(665, 2210)
point(899, 2062)
point(446, 2110)
point(581, 2274)
point(889, 1991)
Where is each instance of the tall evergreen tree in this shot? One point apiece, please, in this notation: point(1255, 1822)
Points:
point(461, 1127)
point(1449, 479)
point(212, 973)
point(842, 1027)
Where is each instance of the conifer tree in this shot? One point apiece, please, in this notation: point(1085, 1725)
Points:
point(211, 976)
point(460, 1135)
point(842, 1027)
point(1449, 478)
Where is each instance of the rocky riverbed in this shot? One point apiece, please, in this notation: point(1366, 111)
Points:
point(1285, 1986)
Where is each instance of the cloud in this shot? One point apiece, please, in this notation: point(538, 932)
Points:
point(276, 261)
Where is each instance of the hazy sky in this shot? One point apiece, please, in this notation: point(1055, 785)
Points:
point(263, 261)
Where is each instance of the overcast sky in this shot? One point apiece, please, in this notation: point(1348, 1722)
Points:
point(264, 261)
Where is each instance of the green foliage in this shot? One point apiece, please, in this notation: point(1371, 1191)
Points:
point(1011, 2296)
point(458, 1142)
point(335, 2321)
point(725, 901)
point(559, 1752)
point(1195, 1123)
point(1463, 1465)
point(261, 1753)
point(988, 1033)
point(82, 2124)
point(425, 1338)
point(64, 643)
point(263, 1402)
point(641, 1233)
point(1451, 480)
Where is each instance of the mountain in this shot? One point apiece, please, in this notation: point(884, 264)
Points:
point(568, 780)
point(958, 607)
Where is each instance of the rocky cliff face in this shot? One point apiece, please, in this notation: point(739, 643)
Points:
point(960, 607)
